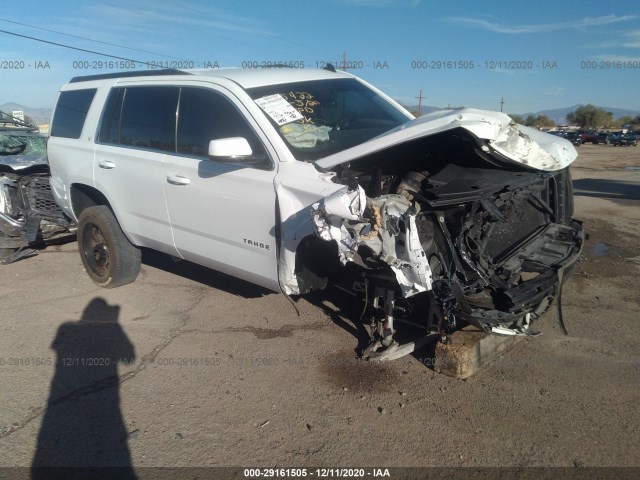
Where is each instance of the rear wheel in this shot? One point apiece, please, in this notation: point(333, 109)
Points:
point(107, 255)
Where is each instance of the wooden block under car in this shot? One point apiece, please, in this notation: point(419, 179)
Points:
point(468, 350)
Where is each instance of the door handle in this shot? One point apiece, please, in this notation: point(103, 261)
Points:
point(178, 180)
point(106, 164)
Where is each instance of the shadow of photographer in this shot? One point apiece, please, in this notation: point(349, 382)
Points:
point(83, 431)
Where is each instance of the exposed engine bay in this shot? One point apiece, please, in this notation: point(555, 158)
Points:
point(447, 228)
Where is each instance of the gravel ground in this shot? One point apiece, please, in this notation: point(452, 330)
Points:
point(188, 367)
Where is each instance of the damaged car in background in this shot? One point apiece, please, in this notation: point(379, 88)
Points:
point(29, 215)
point(319, 179)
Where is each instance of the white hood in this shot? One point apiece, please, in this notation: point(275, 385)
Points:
point(521, 144)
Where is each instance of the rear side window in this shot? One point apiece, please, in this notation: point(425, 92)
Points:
point(71, 112)
point(141, 117)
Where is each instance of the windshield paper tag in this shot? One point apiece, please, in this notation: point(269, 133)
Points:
point(281, 111)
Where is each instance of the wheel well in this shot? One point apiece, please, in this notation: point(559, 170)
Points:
point(84, 196)
point(316, 261)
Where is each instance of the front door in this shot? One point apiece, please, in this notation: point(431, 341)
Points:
point(222, 215)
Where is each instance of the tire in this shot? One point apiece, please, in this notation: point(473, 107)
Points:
point(107, 255)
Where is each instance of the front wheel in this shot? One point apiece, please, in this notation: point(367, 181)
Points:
point(107, 255)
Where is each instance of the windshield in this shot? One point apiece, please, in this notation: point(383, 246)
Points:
point(321, 117)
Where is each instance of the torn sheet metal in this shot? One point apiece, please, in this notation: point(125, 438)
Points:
point(390, 233)
point(329, 215)
point(298, 187)
point(534, 148)
point(397, 243)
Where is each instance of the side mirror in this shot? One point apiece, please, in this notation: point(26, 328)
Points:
point(229, 147)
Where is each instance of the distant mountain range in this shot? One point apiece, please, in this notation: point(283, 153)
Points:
point(558, 115)
point(39, 115)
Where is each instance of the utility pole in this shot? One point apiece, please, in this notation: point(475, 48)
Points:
point(419, 103)
point(501, 103)
point(344, 66)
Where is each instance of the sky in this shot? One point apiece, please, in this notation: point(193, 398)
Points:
point(532, 55)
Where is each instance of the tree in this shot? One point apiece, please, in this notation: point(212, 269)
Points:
point(519, 119)
point(620, 122)
point(544, 121)
point(539, 121)
point(29, 121)
point(588, 116)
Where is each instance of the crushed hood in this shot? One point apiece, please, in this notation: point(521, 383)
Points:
point(523, 145)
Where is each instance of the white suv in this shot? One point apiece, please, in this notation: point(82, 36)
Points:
point(295, 179)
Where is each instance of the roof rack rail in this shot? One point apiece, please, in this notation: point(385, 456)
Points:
point(134, 73)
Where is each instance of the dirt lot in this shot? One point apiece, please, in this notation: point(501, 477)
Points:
point(217, 372)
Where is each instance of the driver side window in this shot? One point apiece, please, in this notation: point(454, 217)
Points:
point(205, 115)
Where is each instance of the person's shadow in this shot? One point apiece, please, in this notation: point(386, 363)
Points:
point(83, 434)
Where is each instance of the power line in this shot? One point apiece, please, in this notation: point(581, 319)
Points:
point(71, 47)
point(91, 39)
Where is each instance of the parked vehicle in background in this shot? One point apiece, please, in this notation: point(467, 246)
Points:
point(604, 137)
point(573, 137)
point(29, 216)
point(569, 135)
point(625, 140)
point(300, 179)
point(588, 136)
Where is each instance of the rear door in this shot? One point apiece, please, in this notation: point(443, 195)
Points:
point(222, 211)
point(137, 130)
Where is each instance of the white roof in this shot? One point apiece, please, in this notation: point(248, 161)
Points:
point(244, 77)
point(257, 77)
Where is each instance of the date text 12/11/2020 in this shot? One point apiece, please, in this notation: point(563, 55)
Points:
point(316, 472)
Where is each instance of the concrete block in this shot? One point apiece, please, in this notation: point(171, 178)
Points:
point(469, 350)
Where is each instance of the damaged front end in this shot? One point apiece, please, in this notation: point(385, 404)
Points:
point(29, 215)
point(450, 228)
